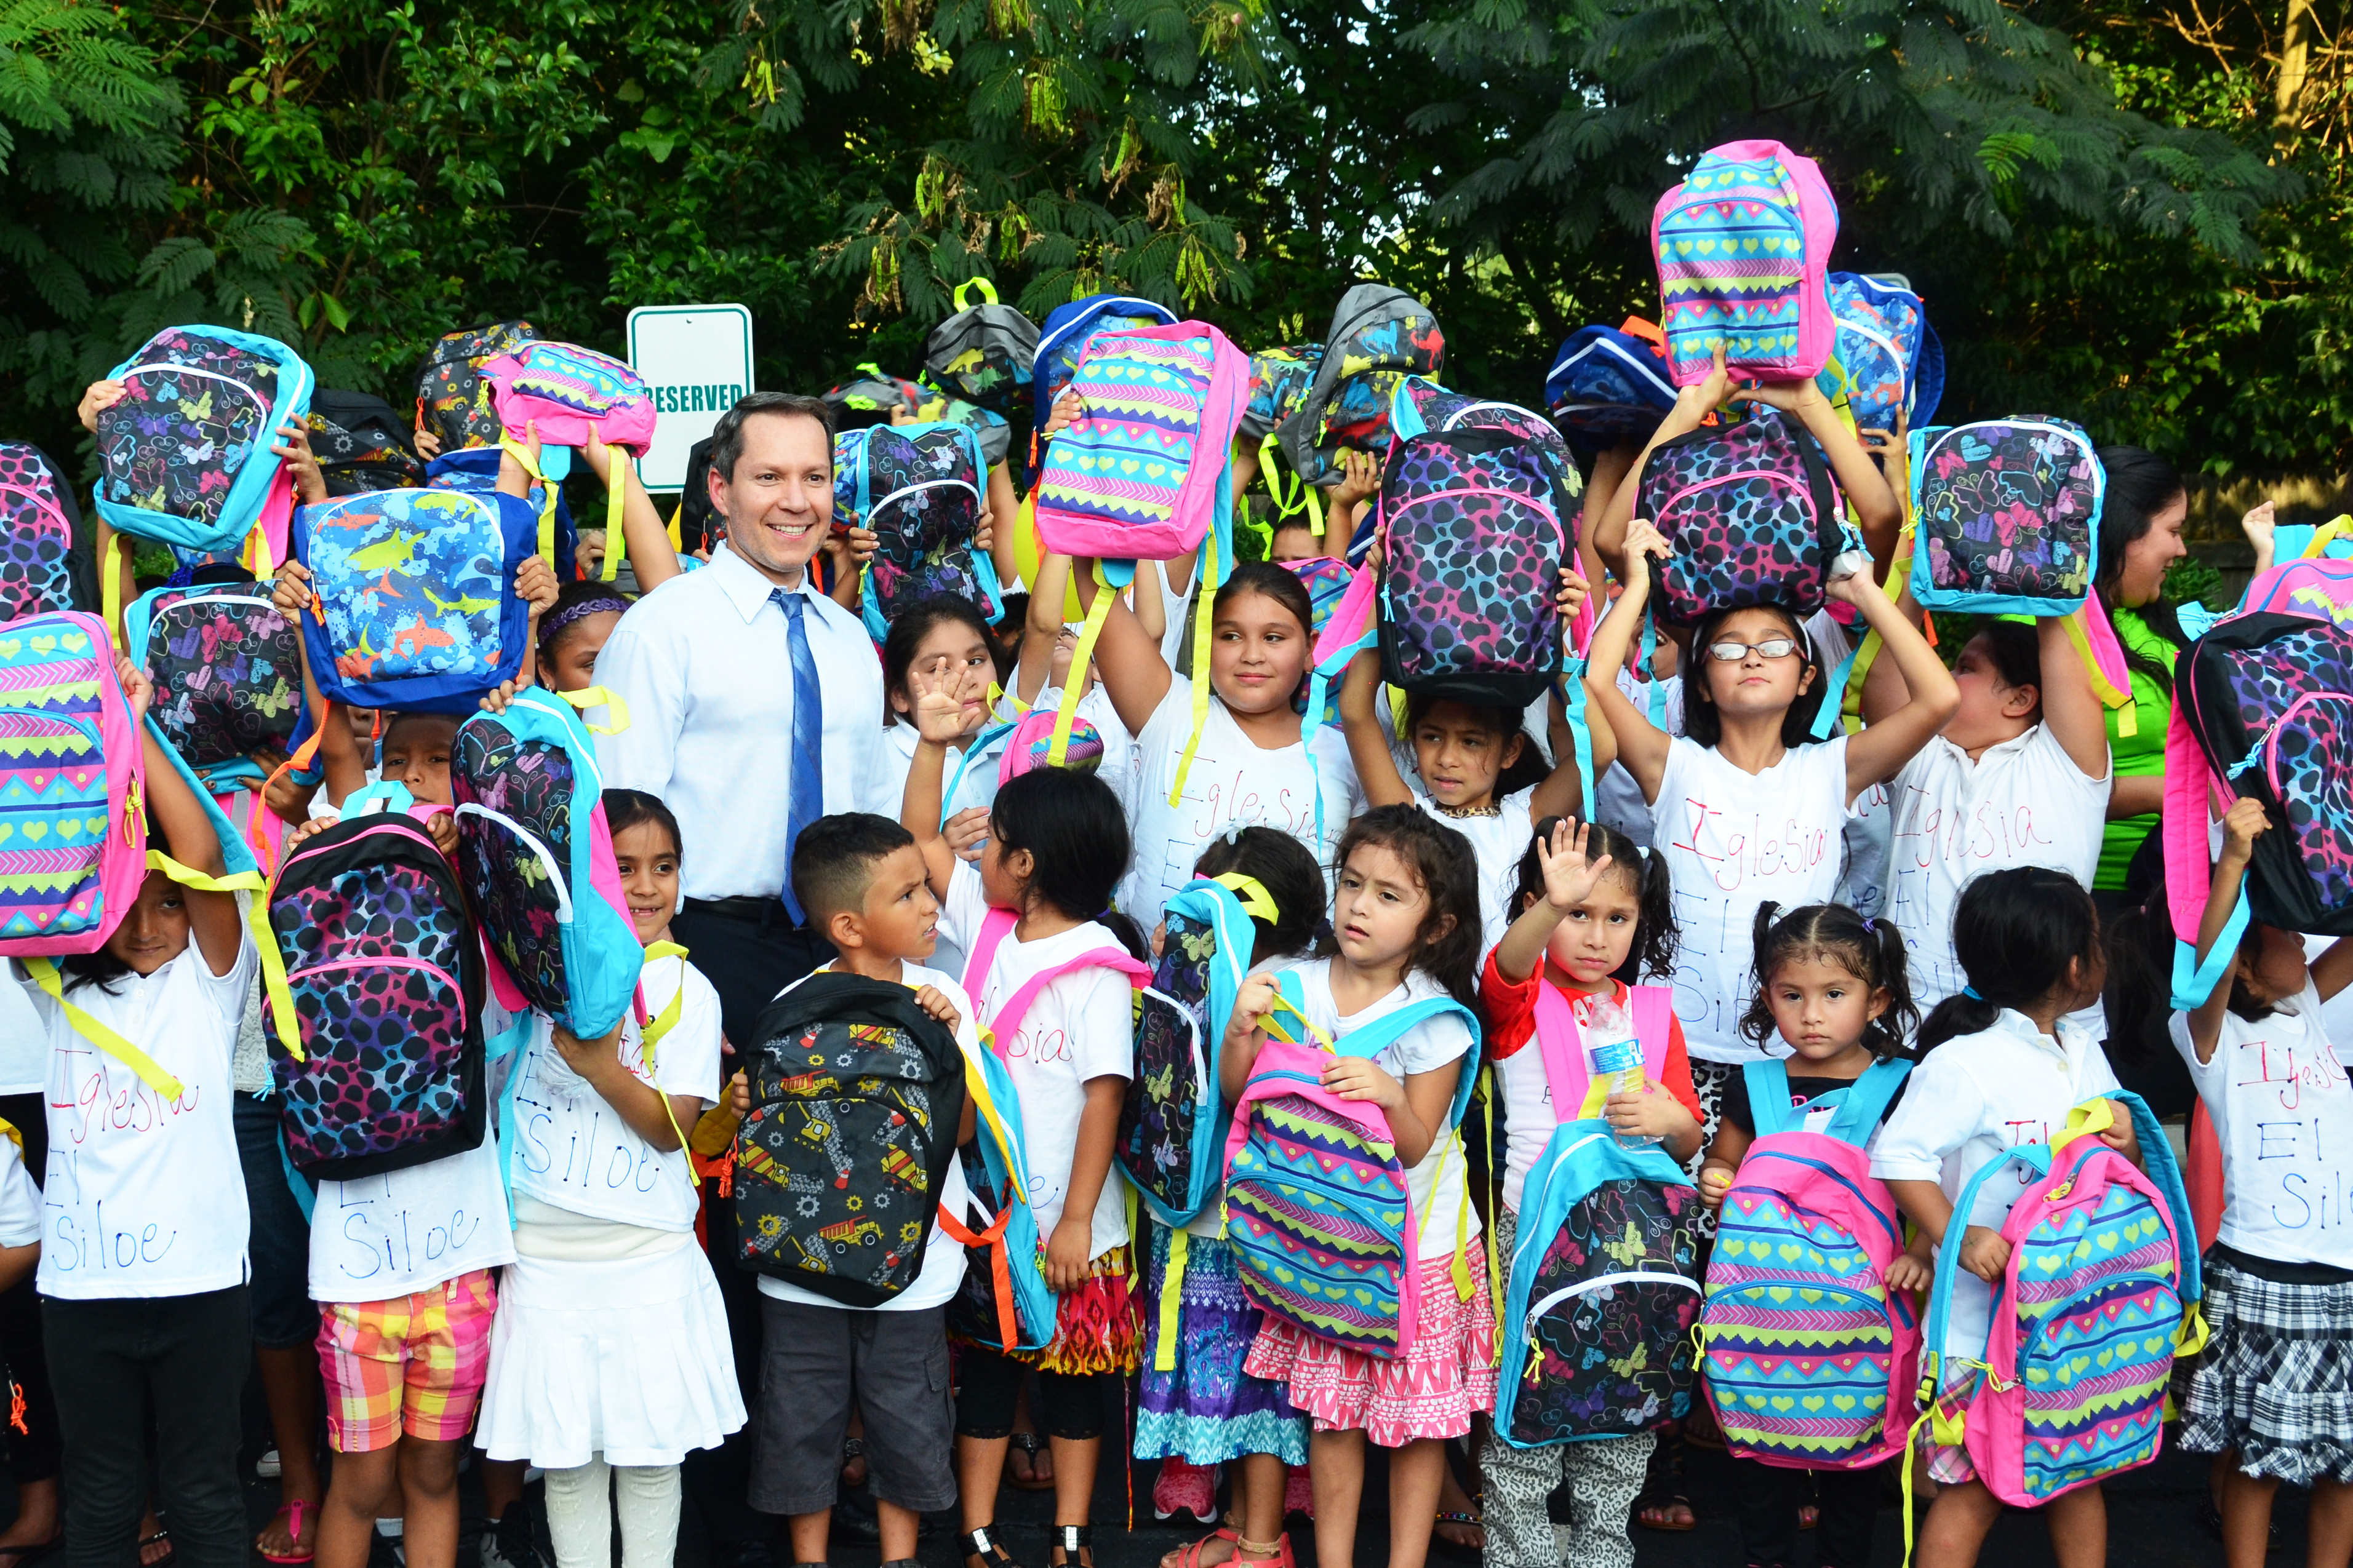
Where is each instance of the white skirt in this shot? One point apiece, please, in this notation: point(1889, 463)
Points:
point(629, 1359)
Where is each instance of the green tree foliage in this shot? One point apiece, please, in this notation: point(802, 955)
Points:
point(2123, 211)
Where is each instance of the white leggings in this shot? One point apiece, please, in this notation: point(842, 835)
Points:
point(580, 1521)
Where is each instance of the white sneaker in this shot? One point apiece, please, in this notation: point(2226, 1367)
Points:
point(267, 1467)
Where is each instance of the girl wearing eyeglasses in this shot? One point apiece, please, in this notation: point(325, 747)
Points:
point(1744, 805)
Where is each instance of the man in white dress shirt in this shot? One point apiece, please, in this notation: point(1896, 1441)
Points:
point(754, 706)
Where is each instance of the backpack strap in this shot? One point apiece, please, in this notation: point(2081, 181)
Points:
point(2189, 866)
point(589, 697)
point(510, 1042)
point(522, 454)
point(972, 753)
point(1768, 1083)
point(1007, 1022)
point(1562, 1041)
point(1368, 1041)
point(1352, 628)
point(45, 975)
point(995, 927)
point(1111, 577)
point(1833, 703)
point(2035, 1157)
point(1867, 1101)
point(2096, 645)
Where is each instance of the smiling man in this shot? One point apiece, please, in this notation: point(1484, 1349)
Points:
point(754, 702)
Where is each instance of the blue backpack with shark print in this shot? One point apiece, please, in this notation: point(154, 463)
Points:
point(414, 604)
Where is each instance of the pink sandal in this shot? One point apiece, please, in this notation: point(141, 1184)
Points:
point(293, 1513)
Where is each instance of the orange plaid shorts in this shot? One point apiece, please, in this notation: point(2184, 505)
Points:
point(413, 1363)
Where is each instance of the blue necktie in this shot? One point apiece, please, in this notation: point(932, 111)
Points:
point(808, 794)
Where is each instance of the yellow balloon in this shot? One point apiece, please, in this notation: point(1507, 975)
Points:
point(1029, 553)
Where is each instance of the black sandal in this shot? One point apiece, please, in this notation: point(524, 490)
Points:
point(1027, 1443)
point(982, 1547)
point(1070, 1539)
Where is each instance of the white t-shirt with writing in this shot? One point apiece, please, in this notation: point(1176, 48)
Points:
point(1971, 1100)
point(1498, 843)
point(376, 1237)
point(1440, 1181)
point(574, 1150)
point(1231, 784)
point(2283, 1114)
point(145, 1196)
point(943, 1259)
point(1079, 1026)
point(1732, 840)
point(2021, 803)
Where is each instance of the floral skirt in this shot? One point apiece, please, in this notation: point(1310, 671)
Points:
point(1205, 1409)
point(1095, 1327)
point(1431, 1391)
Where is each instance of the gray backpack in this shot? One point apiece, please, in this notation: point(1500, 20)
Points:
point(984, 352)
point(1379, 336)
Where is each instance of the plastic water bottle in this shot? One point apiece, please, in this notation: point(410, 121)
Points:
point(1613, 1058)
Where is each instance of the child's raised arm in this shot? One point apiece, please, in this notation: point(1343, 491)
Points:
point(1376, 769)
point(1568, 881)
point(2242, 826)
point(1693, 404)
point(2070, 711)
point(1559, 794)
point(1127, 661)
point(187, 831)
point(1875, 499)
point(1887, 743)
point(651, 555)
point(1641, 745)
point(939, 723)
point(1041, 628)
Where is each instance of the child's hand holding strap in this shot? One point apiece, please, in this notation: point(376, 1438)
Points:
point(1983, 1253)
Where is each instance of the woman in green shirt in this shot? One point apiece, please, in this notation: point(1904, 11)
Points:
point(2140, 536)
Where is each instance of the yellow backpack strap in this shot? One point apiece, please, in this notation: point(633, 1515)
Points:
point(1172, 1283)
point(589, 697)
point(521, 454)
point(650, 1036)
point(1463, 1285)
point(1487, 1110)
point(45, 975)
point(1058, 747)
point(1251, 894)
point(8, 1127)
point(678, 539)
point(256, 554)
point(265, 939)
point(1206, 578)
point(2326, 535)
point(109, 571)
point(617, 485)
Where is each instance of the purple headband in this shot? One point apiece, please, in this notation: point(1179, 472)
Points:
point(563, 617)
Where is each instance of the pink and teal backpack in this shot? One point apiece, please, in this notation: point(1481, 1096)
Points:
point(72, 774)
point(2100, 1296)
point(1318, 1211)
point(1744, 249)
point(2006, 516)
point(1599, 1308)
point(45, 555)
point(1808, 1356)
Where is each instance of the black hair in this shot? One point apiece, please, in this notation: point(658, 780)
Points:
point(1870, 950)
point(1703, 723)
point(2139, 485)
point(1522, 772)
point(909, 626)
point(2139, 993)
point(628, 808)
point(727, 435)
point(2016, 651)
point(1275, 581)
point(102, 968)
point(1076, 833)
point(1441, 858)
point(1282, 865)
point(393, 720)
point(1655, 933)
point(2015, 931)
point(555, 624)
point(834, 859)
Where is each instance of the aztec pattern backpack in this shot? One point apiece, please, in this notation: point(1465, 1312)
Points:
point(2100, 1296)
point(415, 604)
point(1318, 1210)
point(71, 769)
point(984, 352)
point(2005, 516)
point(856, 1097)
point(1753, 514)
point(1379, 336)
point(453, 400)
point(1474, 513)
point(1808, 1355)
point(45, 556)
point(387, 976)
point(1884, 350)
point(918, 487)
point(228, 670)
point(1610, 384)
point(1744, 248)
point(1598, 1314)
point(1004, 1302)
point(537, 860)
point(1326, 579)
point(566, 392)
point(183, 455)
point(1169, 1144)
point(1071, 328)
point(360, 444)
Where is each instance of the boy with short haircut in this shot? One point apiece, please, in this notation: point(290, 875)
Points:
point(862, 883)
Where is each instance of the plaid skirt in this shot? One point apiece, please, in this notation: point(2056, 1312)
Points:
point(2276, 1382)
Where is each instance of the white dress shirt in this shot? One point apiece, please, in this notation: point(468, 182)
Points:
point(705, 664)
